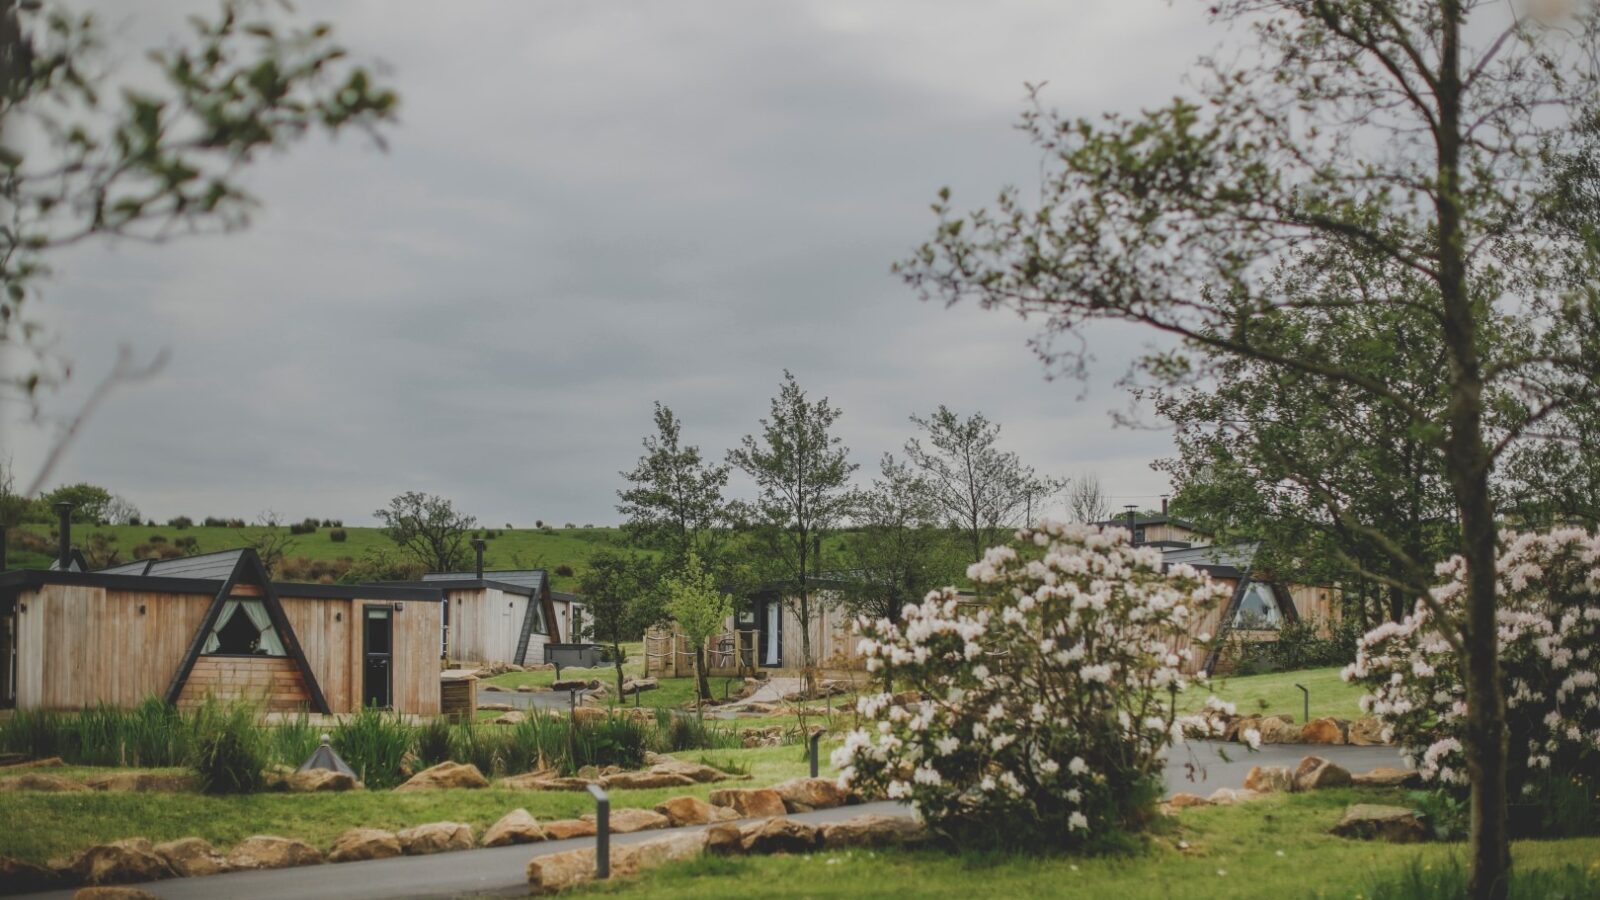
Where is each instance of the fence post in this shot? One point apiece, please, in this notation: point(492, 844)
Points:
point(602, 832)
point(816, 738)
point(1306, 709)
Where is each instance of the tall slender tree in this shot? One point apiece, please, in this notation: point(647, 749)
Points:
point(802, 473)
point(699, 606)
point(896, 551)
point(674, 498)
point(1426, 132)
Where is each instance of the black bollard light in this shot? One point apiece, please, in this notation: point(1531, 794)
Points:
point(602, 832)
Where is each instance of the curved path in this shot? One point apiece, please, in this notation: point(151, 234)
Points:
point(502, 871)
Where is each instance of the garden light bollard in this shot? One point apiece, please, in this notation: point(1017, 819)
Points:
point(816, 737)
point(1306, 697)
point(602, 832)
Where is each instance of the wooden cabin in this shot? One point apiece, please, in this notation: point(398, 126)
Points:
point(504, 616)
point(214, 626)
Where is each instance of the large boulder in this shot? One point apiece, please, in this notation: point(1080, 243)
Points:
point(1278, 730)
point(118, 862)
point(781, 835)
point(627, 821)
point(268, 852)
point(444, 776)
point(1269, 779)
point(514, 717)
point(1326, 730)
point(1370, 821)
point(1229, 796)
point(575, 684)
point(22, 877)
point(192, 857)
point(624, 781)
point(545, 780)
point(142, 782)
point(1315, 773)
point(435, 837)
point(693, 811)
point(698, 772)
point(872, 831)
point(562, 829)
point(359, 844)
point(726, 839)
point(560, 871)
point(1387, 777)
point(750, 802)
point(515, 827)
point(1366, 731)
point(1184, 801)
point(39, 781)
point(807, 794)
point(312, 781)
point(589, 714)
point(631, 859)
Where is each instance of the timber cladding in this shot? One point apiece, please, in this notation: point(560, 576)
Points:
point(274, 682)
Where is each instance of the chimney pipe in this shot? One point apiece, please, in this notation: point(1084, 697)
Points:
point(64, 545)
point(1163, 504)
point(478, 545)
point(1132, 524)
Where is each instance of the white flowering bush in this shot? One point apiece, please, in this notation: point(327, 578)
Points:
point(1045, 709)
point(1549, 625)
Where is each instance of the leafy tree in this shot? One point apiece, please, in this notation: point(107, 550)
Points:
point(1086, 500)
point(1431, 134)
point(88, 501)
point(674, 499)
point(618, 591)
point(159, 159)
point(980, 487)
point(429, 528)
point(700, 608)
point(896, 552)
point(119, 510)
point(14, 507)
point(802, 471)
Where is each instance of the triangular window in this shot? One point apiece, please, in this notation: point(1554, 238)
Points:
point(1258, 609)
point(244, 629)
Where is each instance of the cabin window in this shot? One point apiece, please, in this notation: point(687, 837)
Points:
point(536, 609)
point(1258, 609)
point(244, 629)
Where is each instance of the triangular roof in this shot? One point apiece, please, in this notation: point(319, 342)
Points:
point(75, 562)
point(246, 568)
point(532, 579)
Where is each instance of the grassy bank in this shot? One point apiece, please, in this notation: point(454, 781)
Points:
point(1276, 693)
point(1273, 849)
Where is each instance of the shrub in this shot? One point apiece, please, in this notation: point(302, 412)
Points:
point(292, 742)
point(187, 542)
point(331, 523)
point(156, 540)
point(235, 523)
point(180, 522)
point(228, 753)
point(433, 742)
point(1048, 705)
point(564, 570)
point(374, 743)
point(309, 526)
point(612, 741)
point(1549, 623)
point(538, 523)
point(214, 522)
point(135, 521)
point(338, 535)
point(675, 733)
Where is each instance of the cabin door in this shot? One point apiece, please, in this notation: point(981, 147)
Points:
point(377, 653)
point(8, 654)
point(772, 635)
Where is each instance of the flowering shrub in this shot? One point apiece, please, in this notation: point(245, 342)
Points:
point(1046, 709)
point(1549, 624)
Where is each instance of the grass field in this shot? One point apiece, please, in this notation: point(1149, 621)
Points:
point(1275, 849)
point(1275, 693)
point(59, 823)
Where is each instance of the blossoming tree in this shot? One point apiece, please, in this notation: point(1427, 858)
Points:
point(1548, 617)
point(1045, 708)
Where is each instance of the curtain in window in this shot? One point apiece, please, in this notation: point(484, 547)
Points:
point(213, 643)
point(270, 644)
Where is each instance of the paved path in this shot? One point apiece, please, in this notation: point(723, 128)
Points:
point(502, 871)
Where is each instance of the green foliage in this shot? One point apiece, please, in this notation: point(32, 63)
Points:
point(676, 732)
point(433, 742)
point(88, 501)
point(228, 753)
point(1447, 880)
point(429, 529)
point(674, 499)
point(374, 744)
point(150, 734)
point(1300, 645)
point(896, 552)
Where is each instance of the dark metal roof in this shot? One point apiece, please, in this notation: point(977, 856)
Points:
point(1219, 559)
point(209, 566)
point(564, 597)
point(32, 578)
point(137, 567)
point(1142, 521)
point(532, 579)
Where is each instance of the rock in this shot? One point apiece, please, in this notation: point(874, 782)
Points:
point(545, 780)
point(365, 843)
point(1314, 773)
point(1278, 730)
point(1366, 731)
point(631, 859)
point(872, 832)
point(807, 794)
point(435, 837)
point(444, 776)
point(575, 684)
point(117, 862)
point(22, 877)
point(192, 857)
point(142, 782)
point(38, 781)
point(640, 686)
point(688, 811)
point(559, 871)
point(644, 780)
point(562, 829)
point(496, 707)
point(1230, 796)
point(113, 893)
point(46, 763)
point(1386, 777)
point(627, 821)
point(313, 780)
point(1326, 730)
point(1370, 821)
point(588, 714)
point(750, 802)
point(528, 689)
point(698, 772)
point(515, 827)
point(724, 840)
point(1183, 801)
point(780, 835)
point(1269, 779)
point(268, 852)
point(493, 687)
point(515, 717)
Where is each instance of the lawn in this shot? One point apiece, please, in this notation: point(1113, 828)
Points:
point(60, 823)
point(672, 692)
point(1274, 848)
point(1276, 693)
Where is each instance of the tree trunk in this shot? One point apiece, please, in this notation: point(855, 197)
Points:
point(704, 679)
point(806, 673)
point(1486, 745)
point(616, 655)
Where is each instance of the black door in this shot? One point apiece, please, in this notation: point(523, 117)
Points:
point(378, 655)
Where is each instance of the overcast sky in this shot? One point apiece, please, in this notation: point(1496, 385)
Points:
point(585, 208)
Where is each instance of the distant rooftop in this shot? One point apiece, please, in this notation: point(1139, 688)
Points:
point(205, 566)
point(532, 579)
point(1236, 557)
